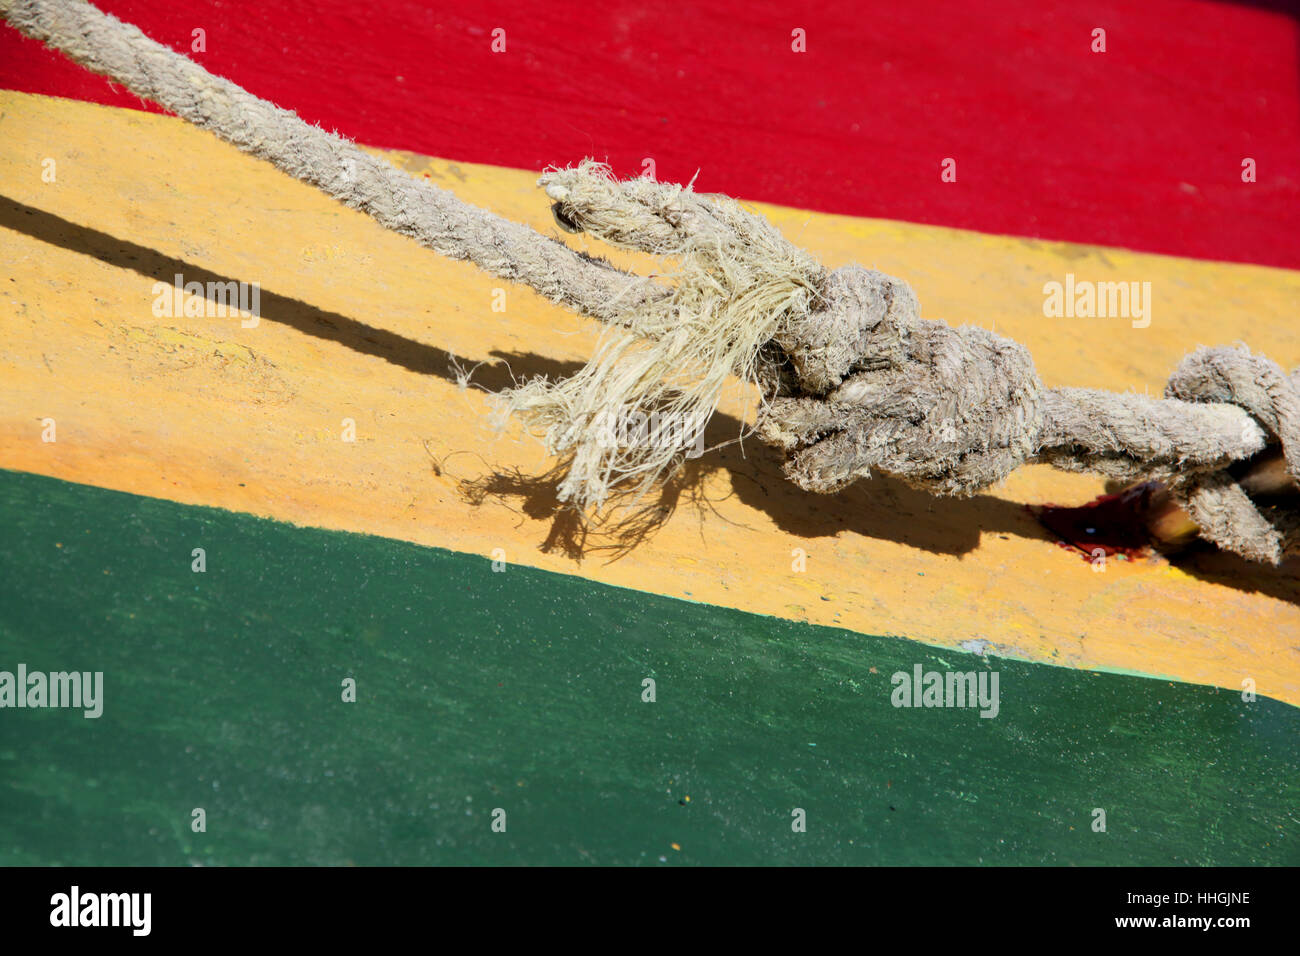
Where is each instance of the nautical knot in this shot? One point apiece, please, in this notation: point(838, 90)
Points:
point(867, 386)
point(853, 381)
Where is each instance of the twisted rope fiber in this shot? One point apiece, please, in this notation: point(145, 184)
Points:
point(852, 380)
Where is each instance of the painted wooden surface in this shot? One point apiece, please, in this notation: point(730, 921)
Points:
point(364, 325)
point(521, 691)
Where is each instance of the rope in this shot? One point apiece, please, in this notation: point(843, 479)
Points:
point(413, 207)
point(852, 380)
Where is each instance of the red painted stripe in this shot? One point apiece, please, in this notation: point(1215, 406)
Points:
point(1141, 146)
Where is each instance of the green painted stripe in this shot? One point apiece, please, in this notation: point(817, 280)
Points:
point(522, 690)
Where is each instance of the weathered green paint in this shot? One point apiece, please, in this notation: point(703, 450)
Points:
point(522, 690)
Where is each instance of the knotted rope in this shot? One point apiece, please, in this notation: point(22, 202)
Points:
point(852, 380)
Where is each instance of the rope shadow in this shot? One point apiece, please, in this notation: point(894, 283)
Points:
point(882, 508)
point(366, 339)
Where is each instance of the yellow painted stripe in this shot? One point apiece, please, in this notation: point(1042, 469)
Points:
point(359, 323)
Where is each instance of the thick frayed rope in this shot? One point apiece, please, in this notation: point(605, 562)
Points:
point(852, 380)
point(953, 410)
point(649, 391)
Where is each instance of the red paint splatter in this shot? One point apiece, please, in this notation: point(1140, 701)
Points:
point(1112, 524)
